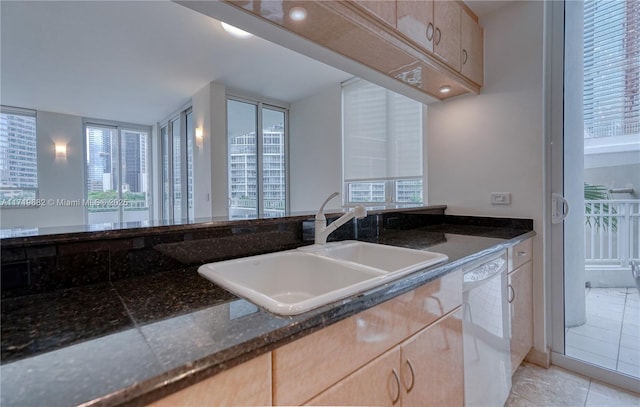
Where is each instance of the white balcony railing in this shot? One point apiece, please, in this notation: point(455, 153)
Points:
point(612, 232)
point(611, 129)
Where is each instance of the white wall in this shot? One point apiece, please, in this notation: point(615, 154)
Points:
point(218, 151)
point(494, 142)
point(201, 108)
point(210, 182)
point(58, 178)
point(315, 150)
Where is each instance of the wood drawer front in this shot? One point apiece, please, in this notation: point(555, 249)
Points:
point(520, 254)
point(248, 384)
point(308, 366)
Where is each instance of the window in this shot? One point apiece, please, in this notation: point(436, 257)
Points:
point(18, 156)
point(382, 138)
point(177, 137)
point(117, 173)
point(257, 159)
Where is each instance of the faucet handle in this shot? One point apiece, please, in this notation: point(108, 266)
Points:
point(360, 211)
point(320, 214)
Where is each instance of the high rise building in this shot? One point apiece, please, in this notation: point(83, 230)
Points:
point(243, 174)
point(134, 167)
point(18, 156)
point(101, 151)
point(611, 68)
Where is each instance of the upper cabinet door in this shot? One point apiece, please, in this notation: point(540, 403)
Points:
point(472, 49)
point(446, 38)
point(415, 20)
point(383, 9)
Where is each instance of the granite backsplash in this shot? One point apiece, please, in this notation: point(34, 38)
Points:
point(35, 265)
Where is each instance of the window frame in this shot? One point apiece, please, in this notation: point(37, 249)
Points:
point(261, 104)
point(390, 183)
point(119, 127)
point(390, 191)
point(167, 206)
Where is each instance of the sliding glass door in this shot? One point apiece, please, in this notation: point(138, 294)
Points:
point(596, 169)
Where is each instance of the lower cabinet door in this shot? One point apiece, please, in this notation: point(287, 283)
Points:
point(432, 366)
point(375, 384)
point(521, 309)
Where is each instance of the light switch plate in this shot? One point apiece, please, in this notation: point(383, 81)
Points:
point(500, 198)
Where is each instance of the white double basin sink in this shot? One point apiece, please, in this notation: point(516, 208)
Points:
point(295, 281)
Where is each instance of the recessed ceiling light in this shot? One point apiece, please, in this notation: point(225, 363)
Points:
point(235, 31)
point(298, 13)
point(445, 89)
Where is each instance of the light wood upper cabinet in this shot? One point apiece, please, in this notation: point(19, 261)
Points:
point(415, 20)
point(248, 384)
point(446, 36)
point(385, 10)
point(472, 49)
point(432, 366)
point(417, 42)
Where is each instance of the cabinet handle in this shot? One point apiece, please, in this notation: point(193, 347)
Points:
point(438, 36)
point(522, 254)
point(512, 294)
point(397, 378)
point(413, 376)
point(464, 56)
point(430, 31)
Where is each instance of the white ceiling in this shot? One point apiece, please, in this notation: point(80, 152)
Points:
point(137, 61)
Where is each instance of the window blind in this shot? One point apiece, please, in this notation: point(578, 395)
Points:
point(382, 134)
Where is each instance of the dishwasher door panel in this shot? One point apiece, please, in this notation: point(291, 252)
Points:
point(486, 331)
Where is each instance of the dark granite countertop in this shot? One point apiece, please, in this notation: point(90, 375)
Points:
point(136, 340)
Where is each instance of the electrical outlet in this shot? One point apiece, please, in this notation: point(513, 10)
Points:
point(500, 198)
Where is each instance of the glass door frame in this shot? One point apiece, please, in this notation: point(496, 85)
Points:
point(554, 183)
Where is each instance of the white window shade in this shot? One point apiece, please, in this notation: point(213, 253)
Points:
point(382, 134)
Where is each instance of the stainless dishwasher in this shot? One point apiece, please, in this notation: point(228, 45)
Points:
point(486, 332)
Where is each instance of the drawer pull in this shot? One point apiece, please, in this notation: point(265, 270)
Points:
point(522, 254)
point(413, 376)
point(395, 398)
point(430, 31)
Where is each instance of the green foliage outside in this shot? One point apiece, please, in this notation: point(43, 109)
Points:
point(112, 194)
point(599, 193)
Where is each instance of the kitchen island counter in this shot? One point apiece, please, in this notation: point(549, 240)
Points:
point(136, 340)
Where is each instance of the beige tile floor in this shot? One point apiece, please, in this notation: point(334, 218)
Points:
point(611, 336)
point(534, 386)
